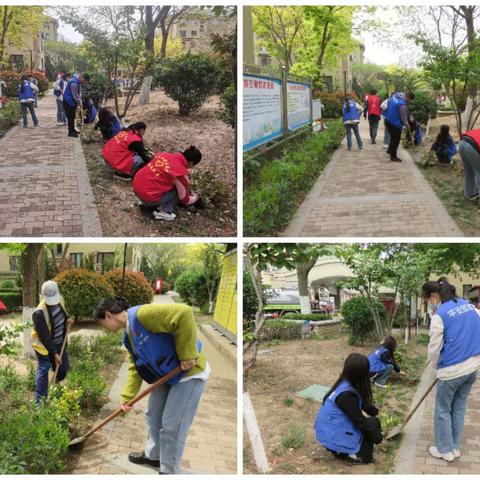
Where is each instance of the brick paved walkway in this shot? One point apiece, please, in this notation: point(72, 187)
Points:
point(413, 456)
point(363, 193)
point(44, 183)
point(211, 443)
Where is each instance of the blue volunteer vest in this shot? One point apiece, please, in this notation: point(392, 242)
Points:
point(154, 354)
point(353, 114)
point(116, 127)
point(58, 93)
point(91, 113)
point(25, 91)
point(376, 365)
point(392, 114)
point(67, 95)
point(333, 428)
point(461, 332)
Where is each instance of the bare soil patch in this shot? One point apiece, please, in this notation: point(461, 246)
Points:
point(115, 200)
point(286, 368)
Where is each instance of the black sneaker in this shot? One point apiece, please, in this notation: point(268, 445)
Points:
point(474, 198)
point(395, 159)
point(73, 134)
point(141, 459)
point(122, 177)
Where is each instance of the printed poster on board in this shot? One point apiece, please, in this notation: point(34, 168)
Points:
point(262, 110)
point(298, 105)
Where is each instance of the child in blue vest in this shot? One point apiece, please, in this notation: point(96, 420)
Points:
point(108, 123)
point(416, 130)
point(160, 337)
point(351, 112)
point(444, 146)
point(340, 425)
point(454, 351)
point(382, 362)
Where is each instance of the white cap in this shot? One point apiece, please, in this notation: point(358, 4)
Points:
point(50, 293)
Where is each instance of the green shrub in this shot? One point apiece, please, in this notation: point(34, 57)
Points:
point(14, 388)
point(9, 116)
point(273, 194)
point(191, 286)
point(13, 79)
point(82, 290)
point(280, 330)
point(250, 302)
point(423, 106)
point(12, 299)
point(295, 438)
point(98, 88)
point(228, 111)
point(188, 79)
point(308, 316)
point(332, 103)
point(7, 284)
point(423, 339)
point(358, 318)
point(137, 290)
point(210, 188)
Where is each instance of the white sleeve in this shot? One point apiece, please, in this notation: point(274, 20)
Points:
point(436, 340)
point(384, 104)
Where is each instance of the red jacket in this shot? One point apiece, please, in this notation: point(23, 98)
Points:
point(163, 173)
point(374, 105)
point(475, 136)
point(116, 152)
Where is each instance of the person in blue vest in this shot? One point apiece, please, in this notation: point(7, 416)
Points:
point(444, 146)
point(72, 99)
point(341, 426)
point(26, 96)
point(58, 89)
point(351, 112)
point(382, 362)
point(158, 338)
point(89, 110)
point(108, 123)
point(454, 350)
point(396, 117)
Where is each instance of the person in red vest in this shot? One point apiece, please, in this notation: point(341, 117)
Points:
point(164, 182)
point(126, 152)
point(372, 108)
point(469, 149)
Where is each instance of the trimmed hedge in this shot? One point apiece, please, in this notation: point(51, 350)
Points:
point(13, 79)
point(9, 116)
point(82, 290)
point(280, 185)
point(307, 316)
point(332, 103)
point(137, 289)
point(12, 299)
point(281, 330)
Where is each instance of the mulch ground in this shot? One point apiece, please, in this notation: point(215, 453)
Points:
point(167, 131)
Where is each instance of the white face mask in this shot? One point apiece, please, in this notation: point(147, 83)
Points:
point(434, 306)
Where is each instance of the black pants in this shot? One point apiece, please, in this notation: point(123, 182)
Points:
point(395, 136)
point(70, 113)
point(373, 123)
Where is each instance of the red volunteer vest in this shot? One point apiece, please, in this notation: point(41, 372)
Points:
point(474, 135)
point(374, 105)
point(158, 177)
point(116, 152)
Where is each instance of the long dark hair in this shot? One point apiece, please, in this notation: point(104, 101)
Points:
point(356, 371)
point(390, 344)
point(105, 116)
point(446, 291)
point(443, 135)
point(111, 305)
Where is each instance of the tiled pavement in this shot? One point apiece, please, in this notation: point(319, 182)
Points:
point(362, 193)
point(44, 184)
point(413, 456)
point(211, 443)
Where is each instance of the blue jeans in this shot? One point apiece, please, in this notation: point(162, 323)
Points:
point(43, 369)
point(28, 107)
point(353, 127)
point(382, 377)
point(386, 134)
point(138, 163)
point(168, 202)
point(471, 168)
point(61, 117)
point(170, 413)
point(450, 407)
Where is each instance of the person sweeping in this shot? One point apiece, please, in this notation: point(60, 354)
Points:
point(454, 349)
point(382, 362)
point(159, 338)
point(340, 425)
point(50, 327)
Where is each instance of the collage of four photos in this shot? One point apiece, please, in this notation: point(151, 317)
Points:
point(239, 239)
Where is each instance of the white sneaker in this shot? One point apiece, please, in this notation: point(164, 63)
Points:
point(161, 215)
point(380, 386)
point(456, 453)
point(385, 145)
point(448, 457)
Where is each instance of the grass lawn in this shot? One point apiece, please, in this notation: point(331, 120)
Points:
point(286, 421)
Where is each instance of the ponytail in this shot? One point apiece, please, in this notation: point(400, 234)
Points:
point(442, 287)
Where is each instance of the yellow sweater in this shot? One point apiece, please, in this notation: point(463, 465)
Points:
point(177, 320)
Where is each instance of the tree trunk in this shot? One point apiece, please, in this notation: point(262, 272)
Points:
point(30, 257)
point(144, 96)
point(302, 277)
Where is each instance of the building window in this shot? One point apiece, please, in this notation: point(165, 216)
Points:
point(264, 59)
point(183, 33)
point(76, 259)
point(14, 262)
point(16, 59)
point(58, 249)
point(103, 258)
point(194, 33)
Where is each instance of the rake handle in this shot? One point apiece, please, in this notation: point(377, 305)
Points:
point(132, 402)
point(422, 398)
point(57, 368)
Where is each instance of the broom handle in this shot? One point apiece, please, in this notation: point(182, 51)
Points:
point(132, 402)
point(422, 398)
point(57, 368)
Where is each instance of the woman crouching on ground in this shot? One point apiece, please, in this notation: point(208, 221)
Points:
point(159, 338)
point(454, 350)
point(341, 426)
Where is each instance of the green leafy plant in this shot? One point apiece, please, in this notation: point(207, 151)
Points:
point(188, 79)
point(295, 438)
point(11, 299)
point(228, 101)
point(9, 116)
point(308, 316)
point(191, 286)
point(137, 290)
point(288, 402)
point(423, 106)
point(211, 190)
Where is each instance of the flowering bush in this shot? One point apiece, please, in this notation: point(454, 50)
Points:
point(137, 290)
point(13, 79)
